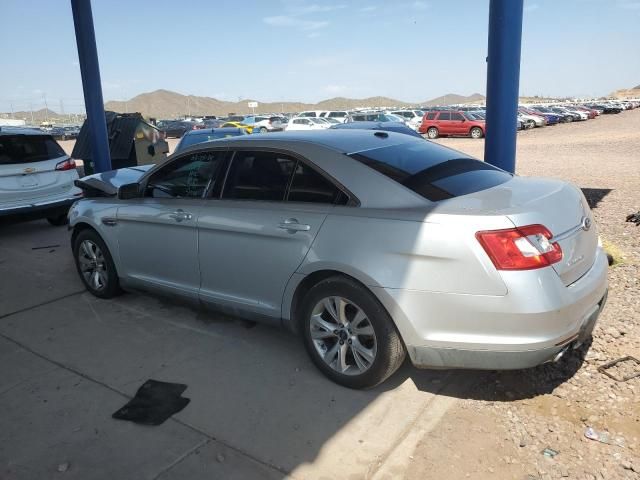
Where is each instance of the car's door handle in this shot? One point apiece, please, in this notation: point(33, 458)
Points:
point(180, 215)
point(292, 225)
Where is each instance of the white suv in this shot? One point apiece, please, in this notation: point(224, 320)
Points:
point(340, 116)
point(412, 117)
point(36, 176)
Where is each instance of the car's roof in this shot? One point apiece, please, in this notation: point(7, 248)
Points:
point(342, 141)
point(385, 126)
point(21, 131)
point(207, 131)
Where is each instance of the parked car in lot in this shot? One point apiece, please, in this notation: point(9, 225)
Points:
point(247, 128)
point(36, 176)
point(307, 123)
point(264, 124)
point(339, 116)
point(371, 117)
point(549, 118)
point(175, 128)
point(205, 135)
point(398, 127)
point(371, 245)
point(606, 109)
point(563, 117)
point(412, 117)
point(451, 122)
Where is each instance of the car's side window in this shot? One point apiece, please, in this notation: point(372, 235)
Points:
point(258, 176)
point(445, 116)
point(186, 177)
point(457, 116)
point(431, 115)
point(309, 186)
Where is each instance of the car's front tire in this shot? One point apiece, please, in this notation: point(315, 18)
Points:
point(95, 265)
point(432, 133)
point(348, 334)
point(263, 129)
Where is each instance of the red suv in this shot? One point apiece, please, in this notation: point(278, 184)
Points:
point(451, 122)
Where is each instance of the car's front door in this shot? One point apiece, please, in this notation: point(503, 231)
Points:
point(458, 124)
point(254, 237)
point(158, 240)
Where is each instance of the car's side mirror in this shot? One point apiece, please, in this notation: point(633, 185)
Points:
point(129, 190)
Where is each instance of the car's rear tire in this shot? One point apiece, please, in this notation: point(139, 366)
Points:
point(58, 220)
point(476, 132)
point(95, 265)
point(348, 334)
point(432, 133)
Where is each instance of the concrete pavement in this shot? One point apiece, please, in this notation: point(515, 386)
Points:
point(259, 409)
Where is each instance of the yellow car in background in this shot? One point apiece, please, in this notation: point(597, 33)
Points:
point(248, 128)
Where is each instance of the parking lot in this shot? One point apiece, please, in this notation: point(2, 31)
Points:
point(259, 408)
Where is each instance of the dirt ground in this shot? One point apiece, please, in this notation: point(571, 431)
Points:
point(508, 419)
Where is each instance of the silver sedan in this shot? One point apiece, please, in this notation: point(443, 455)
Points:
point(371, 245)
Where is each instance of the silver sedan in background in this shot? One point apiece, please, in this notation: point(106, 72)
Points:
point(370, 244)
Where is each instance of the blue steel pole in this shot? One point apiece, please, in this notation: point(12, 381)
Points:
point(91, 85)
point(503, 77)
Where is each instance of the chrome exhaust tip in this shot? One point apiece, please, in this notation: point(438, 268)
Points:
point(560, 354)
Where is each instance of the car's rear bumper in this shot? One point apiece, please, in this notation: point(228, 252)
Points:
point(434, 357)
point(37, 207)
point(531, 324)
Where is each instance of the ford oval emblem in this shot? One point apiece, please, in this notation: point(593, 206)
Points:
point(586, 223)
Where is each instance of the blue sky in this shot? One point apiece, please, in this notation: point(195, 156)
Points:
point(275, 50)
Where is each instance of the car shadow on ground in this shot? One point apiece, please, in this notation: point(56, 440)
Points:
point(595, 195)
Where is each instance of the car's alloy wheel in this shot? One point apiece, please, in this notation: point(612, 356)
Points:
point(343, 336)
point(432, 132)
point(348, 333)
point(95, 265)
point(476, 132)
point(263, 130)
point(92, 265)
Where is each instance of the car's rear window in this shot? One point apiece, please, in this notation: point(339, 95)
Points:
point(435, 172)
point(28, 148)
point(188, 140)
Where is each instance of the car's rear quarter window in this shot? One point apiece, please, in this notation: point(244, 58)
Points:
point(435, 172)
point(28, 148)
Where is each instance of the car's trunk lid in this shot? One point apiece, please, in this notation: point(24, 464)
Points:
point(559, 206)
point(107, 183)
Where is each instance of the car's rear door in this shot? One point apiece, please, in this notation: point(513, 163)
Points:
point(157, 235)
point(253, 238)
point(28, 169)
point(458, 124)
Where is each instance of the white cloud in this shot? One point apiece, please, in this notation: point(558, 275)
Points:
point(294, 22)
point(313, 35)
point(370, 8)
point(314, 8)
point(531, 7)
point(420, 5)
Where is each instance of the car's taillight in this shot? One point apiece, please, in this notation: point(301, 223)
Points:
point(68, 164)
point(522, 248)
